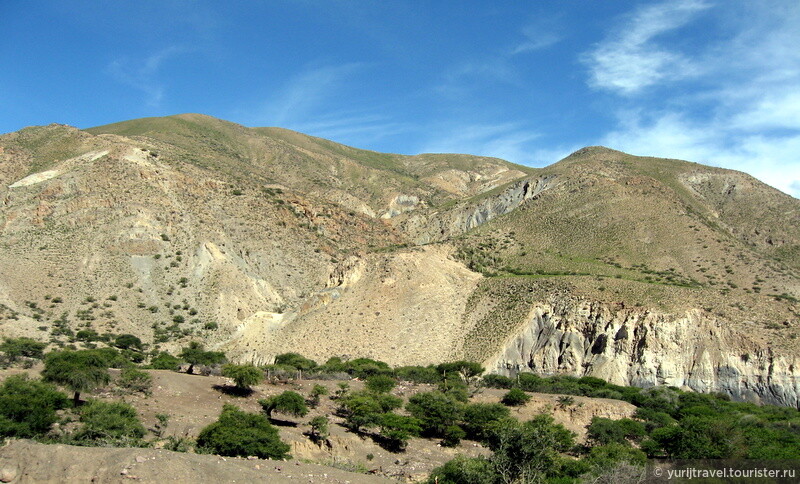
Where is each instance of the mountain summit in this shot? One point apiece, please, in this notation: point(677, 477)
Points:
point(259, 241)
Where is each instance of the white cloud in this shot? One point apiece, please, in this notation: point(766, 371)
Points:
point(538, 36)
point(744, 110)
point(143, 75)
point(771, 159)
point(509, 141)
point(506, 140)
point(310, 103)
point(306, 95)
point(631, 59)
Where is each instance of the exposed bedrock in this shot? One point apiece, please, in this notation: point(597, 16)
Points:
point(436, 226)
point(634, 346)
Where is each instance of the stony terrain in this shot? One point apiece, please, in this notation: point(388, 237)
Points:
point(261, 240)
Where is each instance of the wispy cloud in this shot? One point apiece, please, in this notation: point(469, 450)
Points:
point(311, 102)
point(510, 141)
point(632, 59)
point(749, 87)
point(772, 159)
point(307, 94)
point(143, 74)
point(538, 36)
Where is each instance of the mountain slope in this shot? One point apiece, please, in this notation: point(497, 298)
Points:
point(262, 240)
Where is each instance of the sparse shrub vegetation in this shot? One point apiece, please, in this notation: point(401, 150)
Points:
point(109, 424)
point(28, 407)
point(134, 380)
point(380, 383)
point(242, 434)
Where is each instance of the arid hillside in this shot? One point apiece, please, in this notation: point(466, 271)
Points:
point(259, 241)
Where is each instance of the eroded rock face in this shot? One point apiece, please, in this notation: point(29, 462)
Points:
point(432, 227)
point(634, 346)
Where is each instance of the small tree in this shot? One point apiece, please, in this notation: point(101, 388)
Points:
point(364, 409)
point(14, 348)
point(526, 452)
point(316, 392)
point(288, 402)
point(238, 433)
point(397, 429)
point(565, 401)
point(80, 371)
point(515, 398)
point(319, 428)
point(128, 342)
point(244, 376)
point(195, 354)
point(162, 421)
point(466, 370)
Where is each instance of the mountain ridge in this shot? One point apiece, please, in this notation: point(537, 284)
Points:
point(264, 240)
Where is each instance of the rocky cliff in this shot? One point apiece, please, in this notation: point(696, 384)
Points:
point(441, 224)
point(634, 346)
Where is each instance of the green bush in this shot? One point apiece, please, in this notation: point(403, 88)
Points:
point(316, 392)
point(288, 402)
point(135, 380)
point(364, 409)
point(367, 367)
point(244, 376)
point(418, 374)
point(397, 429)
point(319, 428)
point(242, 434)
point(296, 361)
point(602, 431)
point(515, 398)
point(479, 417)
point(28, 407)
point(380, 383)
point(464, 470)
point(87, 335)
point(128, 341)
point(109, 423)
point(465, 369)
point(15, 348)
point(498, 381)
point(165, 361)
point(360, 410)
point(195, 354)
point(452, 436)
point(529, 450)
point(436, 411)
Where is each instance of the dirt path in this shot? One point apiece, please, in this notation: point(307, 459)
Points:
point(23, 461)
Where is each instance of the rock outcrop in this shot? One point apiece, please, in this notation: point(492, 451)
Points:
point(634, 346)
point(440, 225)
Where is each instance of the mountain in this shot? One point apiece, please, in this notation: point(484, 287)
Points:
point(262, 240)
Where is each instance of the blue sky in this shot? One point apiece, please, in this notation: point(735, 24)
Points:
point(717, 82)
